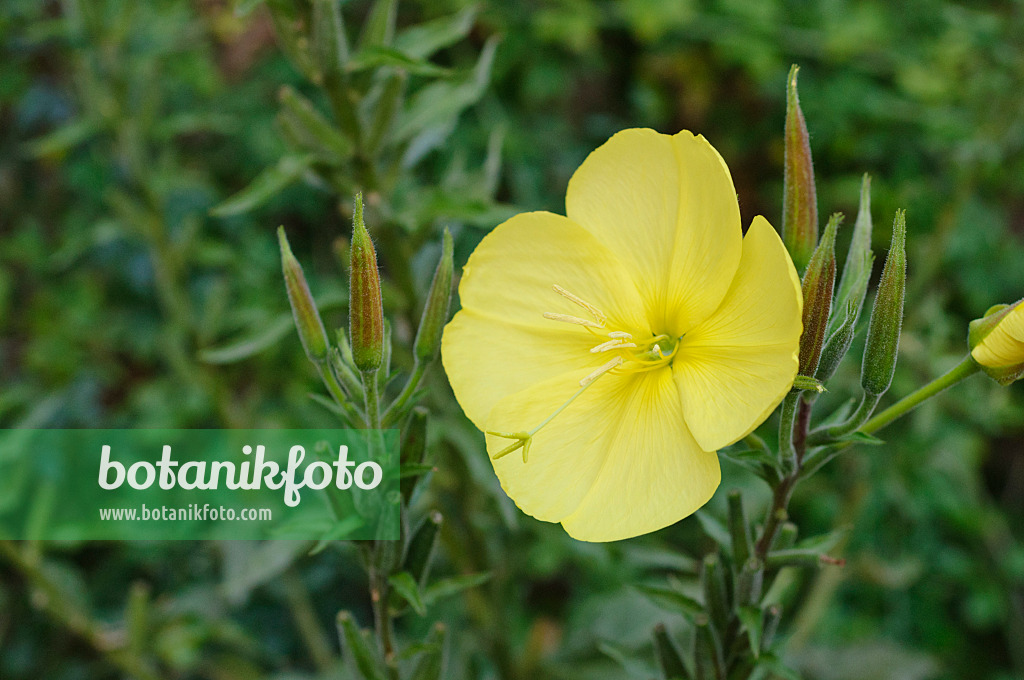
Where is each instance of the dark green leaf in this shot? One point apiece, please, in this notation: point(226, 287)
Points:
point(267, 184)
point(406, 586)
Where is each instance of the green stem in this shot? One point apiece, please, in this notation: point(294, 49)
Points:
point(57, 604)
point(418, 369)
point(372, 399)
point(787, 452)
point(340, 398)
point(964, 369)
point(868, 402)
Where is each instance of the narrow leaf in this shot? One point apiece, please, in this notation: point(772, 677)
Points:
point(267, 184)
point(406, 586)
point(672, 600)
point(452, 586)
point(420, 42)
point(356, 649)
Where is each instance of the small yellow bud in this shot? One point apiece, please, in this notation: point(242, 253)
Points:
point(997, 342)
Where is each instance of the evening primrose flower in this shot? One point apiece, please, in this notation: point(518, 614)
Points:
point(997, 342)
point(608, 354)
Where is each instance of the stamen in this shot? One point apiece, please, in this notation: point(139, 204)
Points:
point(621, 334)
point(617, 361)
point(598, 314)
point(572, 319)
point(614, 343)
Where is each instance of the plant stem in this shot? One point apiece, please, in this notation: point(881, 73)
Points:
point(418, 370)
point(56, 603)
point(868, 402)
point(340, 398)
point(372, 400)
point(380, 593)
point(964, 369)
point(787, 452)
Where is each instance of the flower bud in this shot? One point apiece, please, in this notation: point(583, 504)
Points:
point(853, 286)
point(435, 311)
point(997, 342)
point(307, 318)
point(819, 281)
point(365, 309)
point(799, 201)
point(886, 315)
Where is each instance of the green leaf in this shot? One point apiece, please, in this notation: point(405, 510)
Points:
point(862, 438)
point(747, 456)
point(264, 334)
point(379, 28)
point(356, 650)
point(314, 125)
point(771, 662)
point(824, 542)
point(420, 42)
point(406, 586)
point(267, 184)
point(671, 661)
point(439, 103)
point(452, 586)
point(672, 600)
point(431, 662)
point(264, 338)
point(751, 619)
point(62, 140)
point(377, 56)
point(714, 528)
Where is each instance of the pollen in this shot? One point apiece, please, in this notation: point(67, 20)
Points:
point(567, 318)
point(598, 372)
point(597, 313)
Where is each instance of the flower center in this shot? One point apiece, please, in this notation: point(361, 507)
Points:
point(627, 352)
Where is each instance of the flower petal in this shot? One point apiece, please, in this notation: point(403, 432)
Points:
point(567, 454)
point(1004, 345)
point(617, 462)
point(500, 343)
point(654, 473)
point(735, 368)
point(667, 206)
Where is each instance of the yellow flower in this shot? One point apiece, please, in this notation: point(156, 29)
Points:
point(613, 351)
point(998, 342)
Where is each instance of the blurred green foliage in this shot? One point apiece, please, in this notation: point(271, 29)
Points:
point(127, 300)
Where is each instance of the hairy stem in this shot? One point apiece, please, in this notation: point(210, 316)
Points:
point(964, 369)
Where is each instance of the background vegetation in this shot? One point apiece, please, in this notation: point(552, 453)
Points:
point(139, 288)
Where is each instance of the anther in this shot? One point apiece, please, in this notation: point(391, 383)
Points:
point(621, 334)
point(598, 314)
point(614, 343)
point(617, 361)
point(572, 319)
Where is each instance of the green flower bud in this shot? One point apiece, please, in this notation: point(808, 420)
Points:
point(435, 311)
point(307, 318)
point(365, 309)
point(799, 202)
point(853, 286)
point(886, 315)
point(818, 283)
point(997, 342)
point(838, 343)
